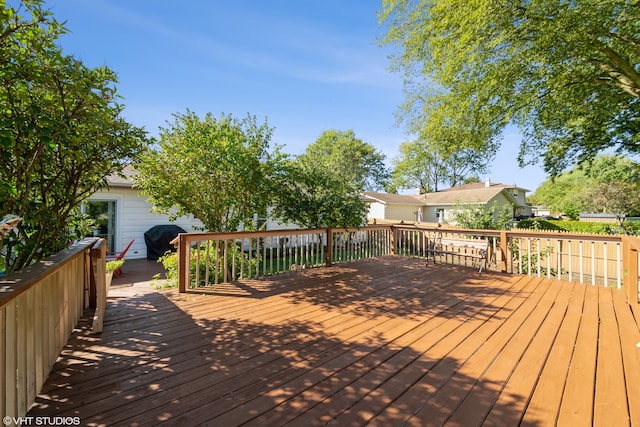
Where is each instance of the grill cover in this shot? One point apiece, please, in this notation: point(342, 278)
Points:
point(158, 237)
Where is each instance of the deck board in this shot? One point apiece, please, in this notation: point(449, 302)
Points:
point(377, 342)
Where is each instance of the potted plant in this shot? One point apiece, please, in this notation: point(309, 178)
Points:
point(113, 266)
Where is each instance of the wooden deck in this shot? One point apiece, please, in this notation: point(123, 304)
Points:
point(378, 342)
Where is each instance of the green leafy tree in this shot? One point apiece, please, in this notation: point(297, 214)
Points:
point(349, 157)
point(218, 170)
point(61, 133)
point(608, 184)
point(565, 72)
point(417, 167)
point(422, 165)
point(313, 196)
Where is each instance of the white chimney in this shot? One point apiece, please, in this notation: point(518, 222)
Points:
point(487, 183)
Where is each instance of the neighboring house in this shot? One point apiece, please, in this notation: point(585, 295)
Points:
point(607, 218)
point(439, 205)
point(393, 207)
point(123, 214)
point(541, 211)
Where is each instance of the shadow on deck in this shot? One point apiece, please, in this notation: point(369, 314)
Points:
point(379, 342)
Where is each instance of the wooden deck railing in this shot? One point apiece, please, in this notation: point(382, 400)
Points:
point(584, 258)
point(39, 308)
point(223, 257)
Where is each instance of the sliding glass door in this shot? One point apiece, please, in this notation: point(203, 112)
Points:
point(103, 212)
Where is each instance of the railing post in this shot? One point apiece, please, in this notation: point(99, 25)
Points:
point(504, 250)
point(98, 255)
point(329, 251)
point(630, 247)
point(183, 269)
point(392, 239)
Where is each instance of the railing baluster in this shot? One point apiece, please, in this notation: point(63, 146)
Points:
point(559, 258)
point(225, 260)
point(264, 257)
point(593, 263)
point(520, 256)
point(216, 280)
point(606, 265)
point(619, 266)
point(548, 260)
point(207, 262)
point(570, 256)
point(198, 263)
point(538, 255)
point(241, 250)
point(581, 260)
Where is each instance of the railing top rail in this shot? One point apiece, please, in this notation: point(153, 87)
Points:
point(12, 285)
point(560, 235)
point(552, 234)
point(556, 235)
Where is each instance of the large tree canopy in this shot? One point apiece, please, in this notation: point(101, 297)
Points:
point(322, 187)
point(349, 157)
point(566, 72)
point(61, 133)
point(421, 165)
point(313, 196)
point(217, 170)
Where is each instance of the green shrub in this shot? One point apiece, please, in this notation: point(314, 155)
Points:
point(243, 266)
point(114, 265)
point(631, 228)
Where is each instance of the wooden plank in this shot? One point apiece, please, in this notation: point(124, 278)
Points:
point(610, 406)
point(511, 402)
point(630, 343)
point(545, 402)
point(446, 363)
point(11, 362)
point(437, 409)
point(518, 365)
point(223, 376)
point(576, 408)
point(41, 368)
point(21, 353)
point(330, 383)
point(30, 348)
point(3, 360)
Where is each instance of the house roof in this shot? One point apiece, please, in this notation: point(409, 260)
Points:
point(118, 181)
point(393, 199)
point(468, 195)
point(479, 185)
point(475, 192)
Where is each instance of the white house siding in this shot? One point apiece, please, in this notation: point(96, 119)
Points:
point(376, 211)
point(402, 212)
point(134, 217)
point(430, 213)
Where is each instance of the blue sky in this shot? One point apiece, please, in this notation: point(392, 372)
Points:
point(305, 65)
